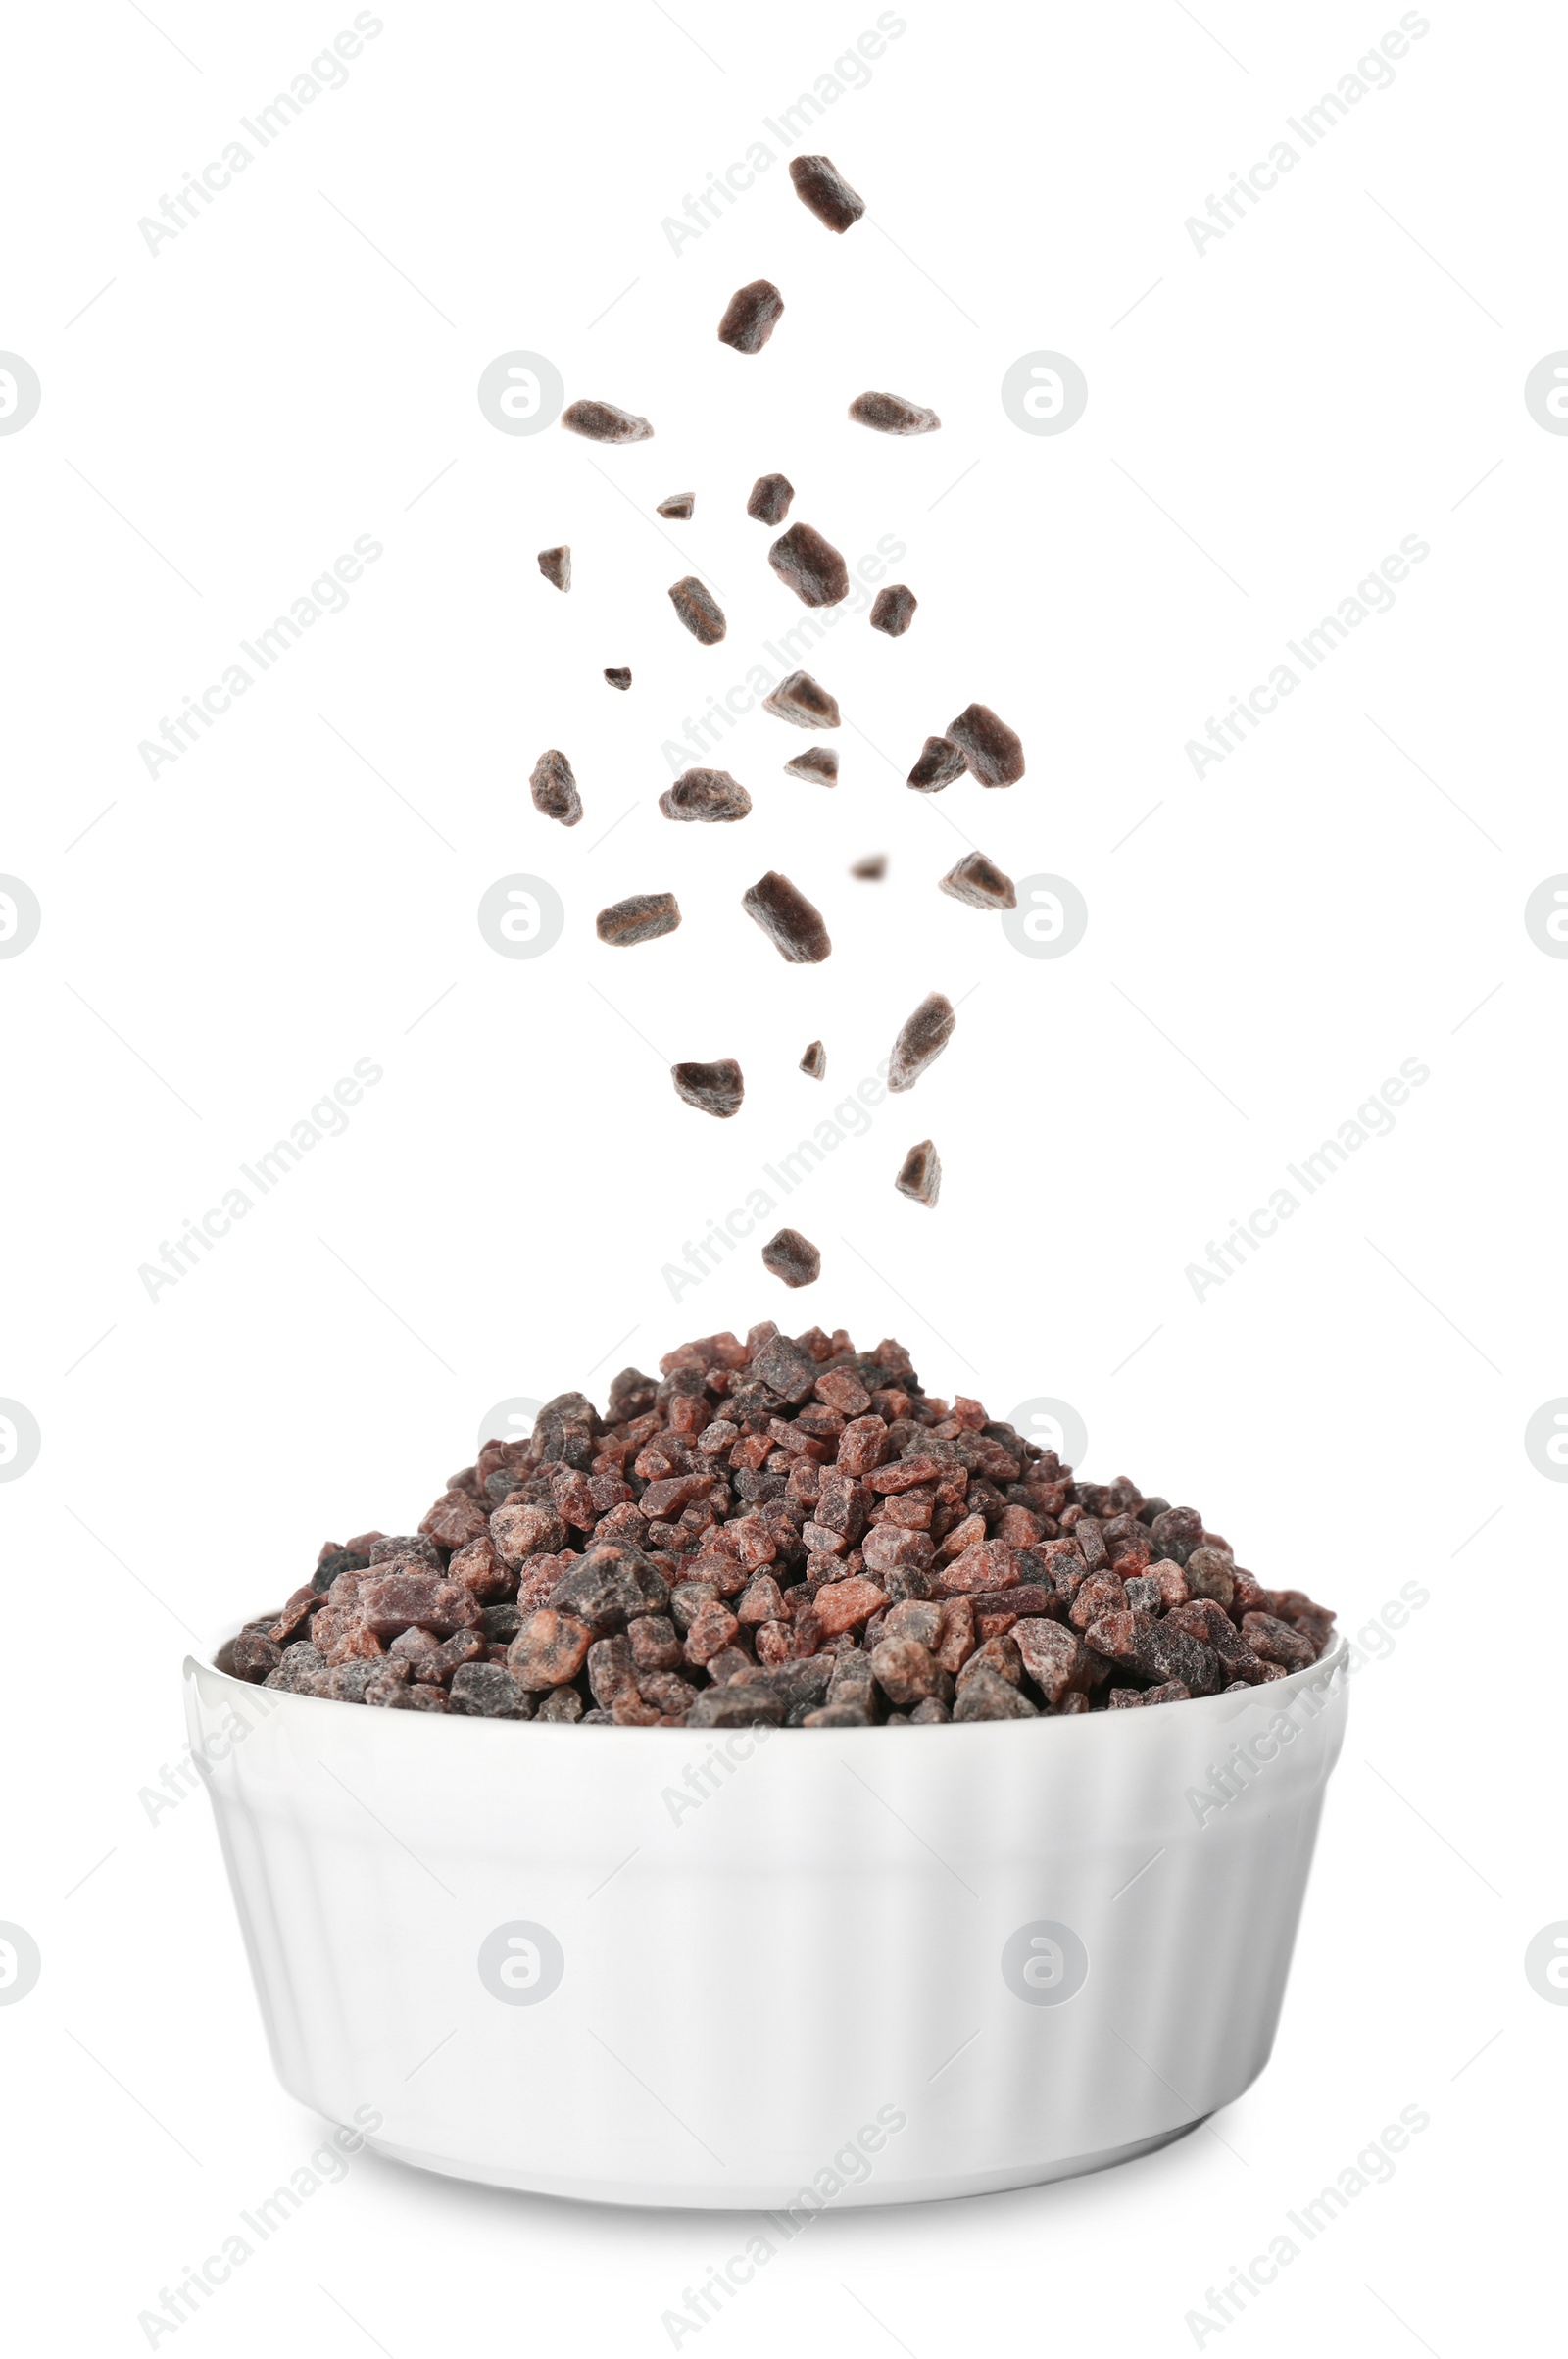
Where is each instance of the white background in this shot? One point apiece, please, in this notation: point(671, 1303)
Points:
point(1268, 419)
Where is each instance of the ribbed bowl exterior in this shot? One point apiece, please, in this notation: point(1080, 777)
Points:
point(733, 1954)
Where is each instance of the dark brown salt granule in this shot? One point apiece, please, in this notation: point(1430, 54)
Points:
point(891, 413)
point(714, 1088)
point(434, 1666)
point(992, 750)
point(1276, 1642)
point(793, 1259)
point(980, 883)
point(549, 1650)
point(678, 507)
point(940, 762)
point(1173, 1691)
point(751, 316)
point(800, 699)
point(809, 566)
point(823, 188)
point(872, 868)
point(990, 1696)
point(487, 1691)
point(820, 762)
point(814, 1061)
point(908, 1672)
point(921, 1041)
point(698, 609)
point(892, 609)
point(787, 919)
point(394, 1602)
point(253, 1656)
point(560, 1703)
point(556, 565)
point(389, 1546)
point(412, 1699)
point(610, 1585)
point(770, 497)
point(712, 794)
point(1203, 1617)
point(1156, 1651)
point(920, 1174)
point(642, 917)
point(555, 788)
point(601, 421)
point(619, 676)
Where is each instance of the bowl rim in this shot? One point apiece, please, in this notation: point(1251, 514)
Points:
point(1332, 1661)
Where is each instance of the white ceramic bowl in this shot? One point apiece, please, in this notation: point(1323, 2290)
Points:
point(769, 1968)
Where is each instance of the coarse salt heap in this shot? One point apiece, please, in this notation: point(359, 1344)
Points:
point(780, 1531)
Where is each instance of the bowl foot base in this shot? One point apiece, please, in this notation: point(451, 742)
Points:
point(776, 2196)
